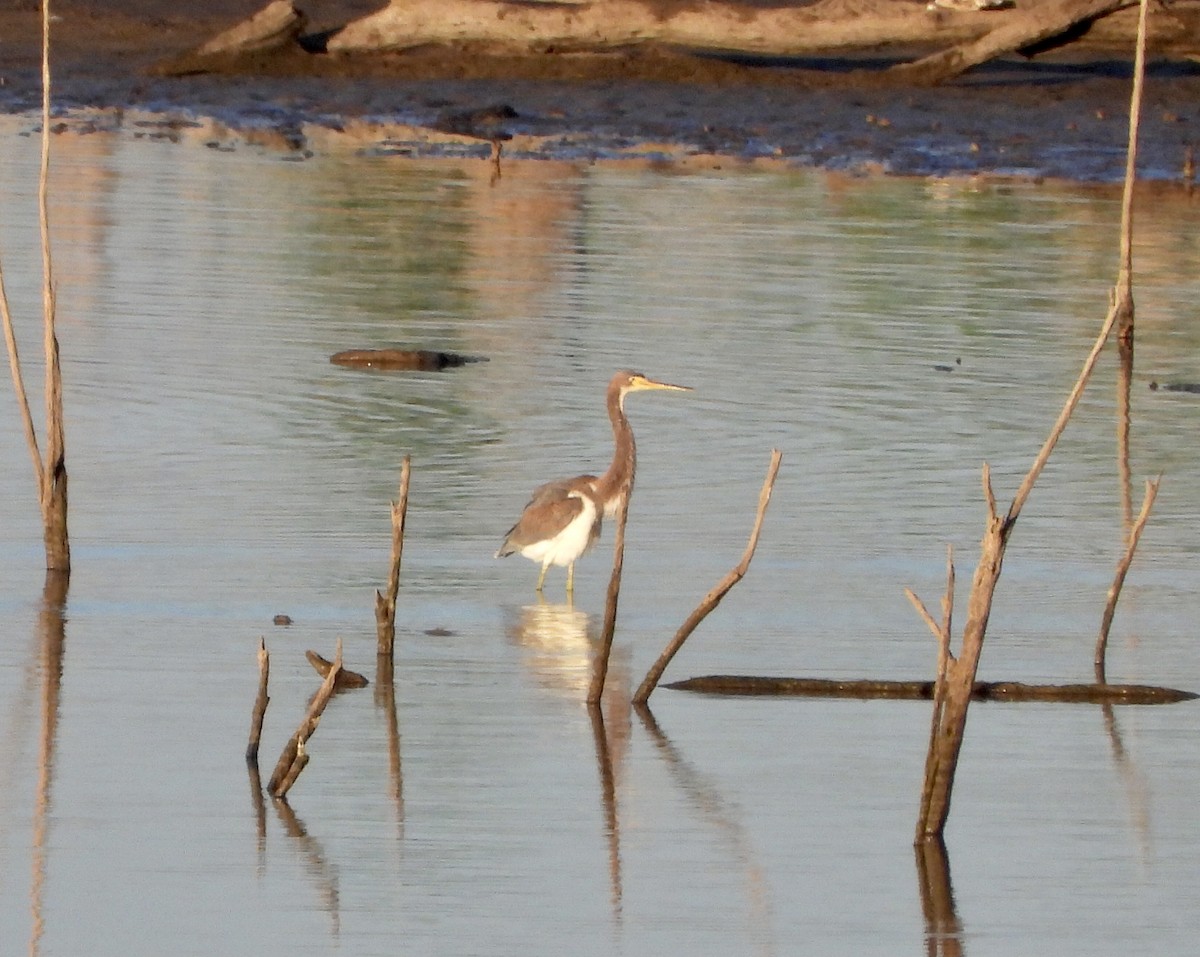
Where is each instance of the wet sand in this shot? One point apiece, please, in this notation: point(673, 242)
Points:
point(1063, 115)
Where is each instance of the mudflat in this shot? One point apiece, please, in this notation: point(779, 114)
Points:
point(1062, 114)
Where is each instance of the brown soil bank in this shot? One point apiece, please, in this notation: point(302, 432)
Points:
point(1058, 114)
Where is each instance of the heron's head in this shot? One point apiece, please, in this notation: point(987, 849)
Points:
point(626, 382)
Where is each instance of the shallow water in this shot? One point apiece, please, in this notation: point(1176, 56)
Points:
point(223, 471)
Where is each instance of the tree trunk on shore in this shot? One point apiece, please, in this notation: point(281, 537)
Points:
point(967, 37)
point(608, 24)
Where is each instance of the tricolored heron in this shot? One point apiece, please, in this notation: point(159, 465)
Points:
point(563, 518)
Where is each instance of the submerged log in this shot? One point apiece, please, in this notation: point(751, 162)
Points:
point(745, 685)
point(391, 360)
point(344, 678)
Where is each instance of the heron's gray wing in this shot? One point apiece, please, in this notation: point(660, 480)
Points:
point(560, 488)
point(549, 511)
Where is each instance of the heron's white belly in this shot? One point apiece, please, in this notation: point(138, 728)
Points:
point(571, 542)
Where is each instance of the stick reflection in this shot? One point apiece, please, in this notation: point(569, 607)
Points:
point(943, 929)
point(52, 645)
point(715, 809)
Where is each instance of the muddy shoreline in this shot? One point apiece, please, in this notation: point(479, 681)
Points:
point(1063, 116)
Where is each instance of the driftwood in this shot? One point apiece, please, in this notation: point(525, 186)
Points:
point(293, 758)
point(750, 685)
point(708, 26)
point(1040, 22)
point(260, 702)
point(393, 360)
point(614, 24)
point(345, 679)
point(278, 24)
point(713, 598)
point(385, 602)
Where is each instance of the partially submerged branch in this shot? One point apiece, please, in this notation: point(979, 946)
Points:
point(50, 470)
point(293, 758)
point(1114, 591)
point(612, 599)
point(956, 683)
point(719, 591)
point(385, 602)
point(260, 702)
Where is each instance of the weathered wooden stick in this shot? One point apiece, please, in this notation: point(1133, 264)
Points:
point(51, 471)
point(260, 702)
point(299, 763)
point(1114, 591)
point(1085, 693)
point(941, 684)
point(385, 605)
point(1123, 293)
point(293, 752)
point(718, 592)
point(1125, 419)
point(600, 662)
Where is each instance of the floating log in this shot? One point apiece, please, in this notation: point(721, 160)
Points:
point(1193, 387)
point(923, 690)
point(388, 360)
point(345, 679)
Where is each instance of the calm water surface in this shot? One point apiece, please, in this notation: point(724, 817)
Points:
point(223, 471)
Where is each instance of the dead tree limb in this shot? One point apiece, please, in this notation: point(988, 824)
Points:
point(1034, 24)
point(1114, 591)
point(612, 598)
point(50, 470)
point(385, 604)
point(719, 591)
point(293, 758)
point(946, 738)
point(260, 702)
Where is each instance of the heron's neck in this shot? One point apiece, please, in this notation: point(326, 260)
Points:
point(618, 480)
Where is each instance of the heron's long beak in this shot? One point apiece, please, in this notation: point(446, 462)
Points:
point(641, 382)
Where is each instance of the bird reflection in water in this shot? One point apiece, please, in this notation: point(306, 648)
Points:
point(559, 642)
point(562, 519)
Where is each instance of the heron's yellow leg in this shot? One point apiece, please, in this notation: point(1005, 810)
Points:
point(571, 578)
point(542, 578)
